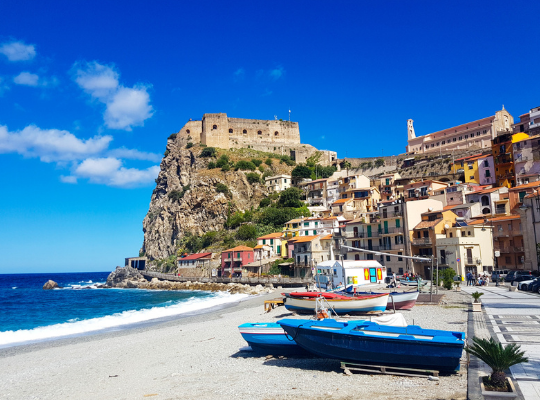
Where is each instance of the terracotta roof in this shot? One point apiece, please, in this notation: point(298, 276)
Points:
point(341, 201)
point(259, 246)
point(469, 157)
point(195, 256)
point(327, 218)
point(505, 218)
point(271, 236)
point(532, 195)
point(526, 186)
point(427, 224)
point(445, 208)
point(304, 239)
point(293, 221)
point(318, 180)
point(239, 248)
point(327, 237)
point(485, 191)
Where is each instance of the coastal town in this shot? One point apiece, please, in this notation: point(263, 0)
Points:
point(473, 205)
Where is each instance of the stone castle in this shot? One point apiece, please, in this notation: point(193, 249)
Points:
point(274, 136)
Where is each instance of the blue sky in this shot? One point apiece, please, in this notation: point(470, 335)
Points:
point(89, 92)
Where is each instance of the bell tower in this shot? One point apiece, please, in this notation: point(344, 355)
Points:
point(410, 129)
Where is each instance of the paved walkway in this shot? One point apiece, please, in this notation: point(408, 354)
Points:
point(514, 317)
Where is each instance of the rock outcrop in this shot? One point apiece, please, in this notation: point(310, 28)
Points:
point(129, 278)
point(50, 284)
point(186, 200)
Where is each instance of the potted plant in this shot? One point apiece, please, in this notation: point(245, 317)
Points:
point(476, 305)
point(457, 285)
point(499, 359)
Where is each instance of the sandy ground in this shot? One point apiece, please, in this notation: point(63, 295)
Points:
point(199, 358)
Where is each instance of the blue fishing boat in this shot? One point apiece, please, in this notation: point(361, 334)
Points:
point(365, 342)
point(269, 338)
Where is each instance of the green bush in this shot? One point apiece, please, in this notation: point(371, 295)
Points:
point(288, 160)
point(325, 172)
point(268, 161)
point(189, 145)
point(265, 202)
point(211, 165)
point(222, 188)
point(245, 165)
point(223, 160)
point(208, 152)
point(253, 177)
point(266, 174)
point(166, 153)
point(234, 221)
point(447, 277)
point(301, 171)
point(279, 216)
point(261, 168)
point(290, 198)
point(176, 195)
point(379, 162)
point(172, 136)
point(246, 232)
point(226, 168)
point(256, 162)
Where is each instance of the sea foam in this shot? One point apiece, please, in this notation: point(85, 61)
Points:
point(116, 321)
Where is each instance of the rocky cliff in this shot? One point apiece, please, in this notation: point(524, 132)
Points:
point(186, 200)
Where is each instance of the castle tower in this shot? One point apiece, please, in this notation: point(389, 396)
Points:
point(410, 129)
point(215, 130)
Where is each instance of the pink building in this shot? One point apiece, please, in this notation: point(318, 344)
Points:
point(527, 160)
point(233, 260)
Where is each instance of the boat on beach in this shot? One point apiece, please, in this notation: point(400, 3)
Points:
point(412, 283)
point(269, 338)
point(396, 300)
point(306, 302)
point(365, 342)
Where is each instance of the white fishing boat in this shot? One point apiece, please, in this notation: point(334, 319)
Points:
point(306, 302)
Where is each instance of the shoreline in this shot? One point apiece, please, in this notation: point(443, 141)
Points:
point(198, 357)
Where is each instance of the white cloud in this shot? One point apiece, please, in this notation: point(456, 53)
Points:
point(68, 179)
point(18, 51)
point(27, 79)
point(277, 73)
point(125, 107)
point(128, 107)
point(133, 154)
point(109, 171)
point(50, 145)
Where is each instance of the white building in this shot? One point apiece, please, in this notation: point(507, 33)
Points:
point(278, 183)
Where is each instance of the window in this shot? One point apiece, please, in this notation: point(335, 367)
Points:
point(387, 258)
point(470, 165)
point(462, 233)
point(244, 131)
point(487, 173)
point(471, 177)
point(398, 223)
point(187, 131)
point(451, 235)
point(444, 142)
point(271, 241)
point(486, 163)
point(259, 132)
point(454, 139)
point(521, 196)
point(466, 136)
point(264, 241)
point(237, 255)
point(468, 233)
point(276, 133)
point(460, 138)
point(230, 130)
point(214, 126)
point(400, 253)
point(426, 234)
point(507, 259)
point(485, 131)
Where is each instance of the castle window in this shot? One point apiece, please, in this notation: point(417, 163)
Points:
point(230, 130)
point(259, 132)
point(444, 142)
point(187, 131)
point(276, 133)
point(466, 136)
point(214, 127)
point(244, 131)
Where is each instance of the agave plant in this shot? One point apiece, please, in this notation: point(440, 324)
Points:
point(497, 357)
point(476, 296)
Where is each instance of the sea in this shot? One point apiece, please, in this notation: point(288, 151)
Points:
point(29, 314)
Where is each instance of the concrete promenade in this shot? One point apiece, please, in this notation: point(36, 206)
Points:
point(514, 317)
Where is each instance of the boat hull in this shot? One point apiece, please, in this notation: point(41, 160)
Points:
point(397, 300)
point(372, 304)
point(385, 346)
point(269, 338)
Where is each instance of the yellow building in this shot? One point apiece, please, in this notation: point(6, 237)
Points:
point(478, 169)
point(503, 156)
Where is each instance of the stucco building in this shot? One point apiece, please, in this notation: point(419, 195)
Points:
point(474, 134)
point(527, 159)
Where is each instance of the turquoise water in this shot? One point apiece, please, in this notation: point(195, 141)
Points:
point(29, 314)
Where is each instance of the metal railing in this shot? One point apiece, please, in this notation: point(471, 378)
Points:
point(505, 233)
point(391, 214)
point(389, 231)
point(421, 241)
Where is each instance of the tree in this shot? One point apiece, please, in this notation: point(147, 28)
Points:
point(172, 136)
point(208, 152)
point(498, 358)
point(246, 232)
point(291, 198)
point(222, 188)
point(245, 165)
point(222, 161)
point(265, 202)
point(301, 171)
point(379, 162)
point(325, 172)
point(253, 177)
point(268, 161)
point(189, 145)
point(211, 165)
point(256, 162)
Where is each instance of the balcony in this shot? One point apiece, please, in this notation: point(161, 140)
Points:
point(237, 258)
point(227, 259)
point(518, 250)
point(421, 241)
point(472, 261)
point(396, 247)
point(391, 214)
point(505, 233)
point(392, 231)
point(350, 235)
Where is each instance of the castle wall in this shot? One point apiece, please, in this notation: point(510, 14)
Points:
point(258, 131)
point(193, 130)
point(215, 130)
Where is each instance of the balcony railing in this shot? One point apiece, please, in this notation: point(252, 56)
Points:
point(391, 214)
point(421, 241)
point(518, 249)
point(391, 231)
point(505, 233)
point(473, 261)
point(398, 247)
point(355, 234)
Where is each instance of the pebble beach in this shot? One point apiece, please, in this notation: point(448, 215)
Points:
point(199, 357)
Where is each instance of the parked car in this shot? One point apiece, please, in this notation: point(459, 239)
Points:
point(522, 278)
point(525, 285)
point(513, 274)
point(498, 274)
point(535, 286)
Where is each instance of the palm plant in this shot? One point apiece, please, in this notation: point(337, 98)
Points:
point(476, 296)
point(497, 357)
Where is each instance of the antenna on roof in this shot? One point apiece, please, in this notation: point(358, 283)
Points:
point(289, 115)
